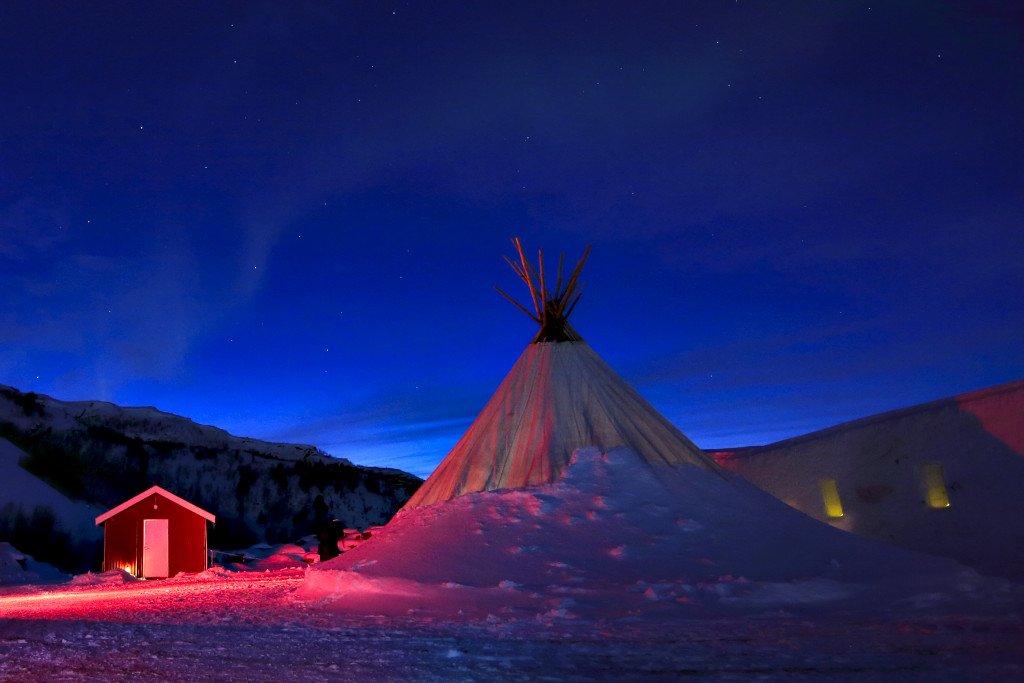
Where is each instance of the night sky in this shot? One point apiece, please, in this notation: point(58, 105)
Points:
point(285, 219)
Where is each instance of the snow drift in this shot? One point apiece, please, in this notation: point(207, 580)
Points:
point(616, 537)
point(881, 466)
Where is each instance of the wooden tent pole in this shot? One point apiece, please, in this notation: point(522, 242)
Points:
point(518, 305)
point(558, 285)
point(526, 276)
point(576, 271)
point(540, 269)
point(552, 310)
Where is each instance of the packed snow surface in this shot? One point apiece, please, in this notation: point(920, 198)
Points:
point(254, 626)
point(616, 570)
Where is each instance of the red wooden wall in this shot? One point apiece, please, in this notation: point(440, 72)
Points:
point(122, 536)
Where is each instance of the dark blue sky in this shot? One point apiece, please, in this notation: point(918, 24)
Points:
point(285, 219)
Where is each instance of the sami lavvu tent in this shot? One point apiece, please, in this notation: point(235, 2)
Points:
point(559, 396)
point(570, 495)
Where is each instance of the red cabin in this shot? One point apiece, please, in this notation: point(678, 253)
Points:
point(154, 535)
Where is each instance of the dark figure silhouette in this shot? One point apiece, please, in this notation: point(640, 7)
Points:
point(330, 533)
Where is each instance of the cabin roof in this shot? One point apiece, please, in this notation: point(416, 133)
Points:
point(161, 492)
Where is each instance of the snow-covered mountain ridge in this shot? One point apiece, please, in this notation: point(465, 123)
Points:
point(147, 423)
point(100, 453)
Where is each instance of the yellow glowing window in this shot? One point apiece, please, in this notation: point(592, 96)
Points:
point(934, 485)
point(830, 495)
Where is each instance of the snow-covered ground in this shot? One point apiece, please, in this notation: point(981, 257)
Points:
point(252, 626)
point(611, 572)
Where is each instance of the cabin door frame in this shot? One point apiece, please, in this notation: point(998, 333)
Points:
point(155, 549)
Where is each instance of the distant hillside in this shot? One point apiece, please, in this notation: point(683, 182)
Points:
point(944, 477)
point(101, 454)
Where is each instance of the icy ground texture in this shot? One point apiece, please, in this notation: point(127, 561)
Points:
point(615, 538)
point(249, 626)
point(612, 572)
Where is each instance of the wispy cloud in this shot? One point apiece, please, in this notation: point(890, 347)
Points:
point(31, 225)
point(119, 317)
point(413, 430)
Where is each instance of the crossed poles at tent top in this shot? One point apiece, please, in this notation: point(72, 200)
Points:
point(552, 310)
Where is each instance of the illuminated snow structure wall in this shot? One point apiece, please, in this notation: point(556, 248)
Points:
point(155, 535)
point(559, 396)
point(945, 477)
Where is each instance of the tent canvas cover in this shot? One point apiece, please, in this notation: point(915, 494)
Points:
point(559, 396)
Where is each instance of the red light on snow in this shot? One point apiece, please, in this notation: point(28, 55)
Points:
point(998, 411)
point(42, 599)
point(721, 456)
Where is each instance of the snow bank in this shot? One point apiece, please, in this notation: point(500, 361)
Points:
point(17, 568)
point(28, 492)
point(264, 557)
point(971, 444)
point(114, 577)
point(616, 537)
point(12, 562)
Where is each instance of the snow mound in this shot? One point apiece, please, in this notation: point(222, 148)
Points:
point(213, 574)
point(27, 492)
point(281, 561)
point(17, 568)
point(12, 562)
point(617, 537)
point(265, 557)
point(114, 577)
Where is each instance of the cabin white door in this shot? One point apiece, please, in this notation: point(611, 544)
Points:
point(155, 549)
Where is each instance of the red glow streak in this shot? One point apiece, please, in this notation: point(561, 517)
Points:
point(87, 596)
point(16, 601)
point(130, 597)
